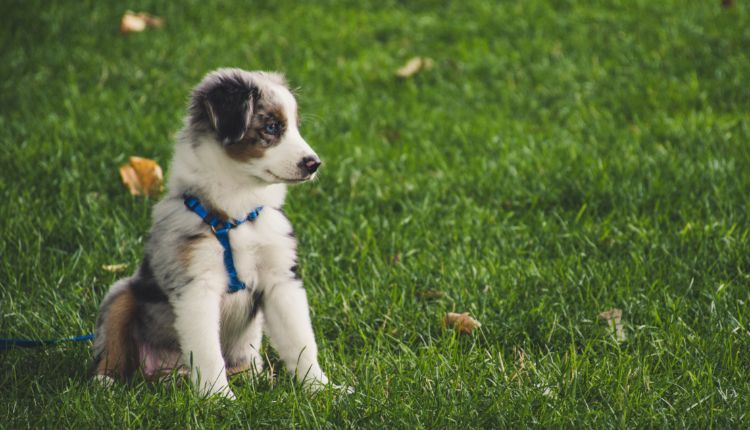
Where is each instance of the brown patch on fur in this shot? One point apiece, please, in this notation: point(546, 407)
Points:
point(120, 355)
point(246, 149)
point(188, 244)
point(212, 212)
point(219, 214)
point(256, 140)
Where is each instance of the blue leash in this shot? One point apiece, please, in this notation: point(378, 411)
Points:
point(6, 344)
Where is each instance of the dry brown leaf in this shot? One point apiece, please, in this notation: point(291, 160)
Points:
point(430, 294)
point(136, 22)
point(131, 23)
point(142, 176)
point(462, 322)
point(414, 66)
point(115, 268)
point(613, 318)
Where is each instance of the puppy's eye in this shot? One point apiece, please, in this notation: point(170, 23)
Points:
point(272, 128)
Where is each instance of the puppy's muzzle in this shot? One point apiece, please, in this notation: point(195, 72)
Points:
point(309, 164)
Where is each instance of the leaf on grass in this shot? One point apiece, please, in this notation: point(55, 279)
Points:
point(414, 66)
point(137, 22)
point(461, 322)
point(142, 177)
point(115, 268)
point(613, 318)
point(727, 3)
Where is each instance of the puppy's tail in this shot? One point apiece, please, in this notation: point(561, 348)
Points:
point(115, 347)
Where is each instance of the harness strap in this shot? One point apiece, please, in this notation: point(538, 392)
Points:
point(221, 231)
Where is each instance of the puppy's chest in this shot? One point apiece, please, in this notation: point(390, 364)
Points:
point(256, 250)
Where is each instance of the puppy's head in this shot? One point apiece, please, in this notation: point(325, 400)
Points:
point(252, 117)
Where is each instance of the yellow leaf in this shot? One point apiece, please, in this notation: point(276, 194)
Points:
point(137, 22)
point(115, 268)
point(142, 177)
point(414, 66)
point(461, 322)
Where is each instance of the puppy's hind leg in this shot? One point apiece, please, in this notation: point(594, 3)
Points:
point(115, 347)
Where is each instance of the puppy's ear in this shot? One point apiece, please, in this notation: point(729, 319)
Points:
point(229, 107)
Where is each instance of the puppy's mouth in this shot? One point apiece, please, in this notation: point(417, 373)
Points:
point(289, 180)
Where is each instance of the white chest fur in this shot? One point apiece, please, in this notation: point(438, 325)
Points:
point(263, 249)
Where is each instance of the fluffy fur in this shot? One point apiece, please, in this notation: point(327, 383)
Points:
point(238, 149)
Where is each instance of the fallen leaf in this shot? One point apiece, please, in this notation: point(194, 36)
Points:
point(142, 176)
point(727, 3)
point(430, 294)
point(115, 268)
point(131, 23)
point(137, 22)
point(462, 322)
point(414, 66)
point(613, 318)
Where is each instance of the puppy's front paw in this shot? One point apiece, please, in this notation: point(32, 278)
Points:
point(227, 393)
point(223, 392)
point(217, 389)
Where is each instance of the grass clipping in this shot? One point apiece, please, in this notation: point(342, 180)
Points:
point(142, 177)
point(613, 319)
point(115, 268)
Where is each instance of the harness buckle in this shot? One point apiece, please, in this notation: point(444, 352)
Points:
point(225, 227)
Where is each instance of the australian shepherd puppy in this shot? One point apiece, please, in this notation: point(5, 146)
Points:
point(239, 148)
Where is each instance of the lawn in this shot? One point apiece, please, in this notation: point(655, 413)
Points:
point(560, 159)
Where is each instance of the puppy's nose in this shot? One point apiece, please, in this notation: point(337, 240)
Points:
point(310, 164)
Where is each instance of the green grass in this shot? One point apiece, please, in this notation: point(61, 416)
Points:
point(562, 158)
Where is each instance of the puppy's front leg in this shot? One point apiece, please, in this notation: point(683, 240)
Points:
point(290, 331)
point(197, 322)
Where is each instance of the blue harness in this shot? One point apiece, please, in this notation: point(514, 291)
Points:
point(221, 231)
